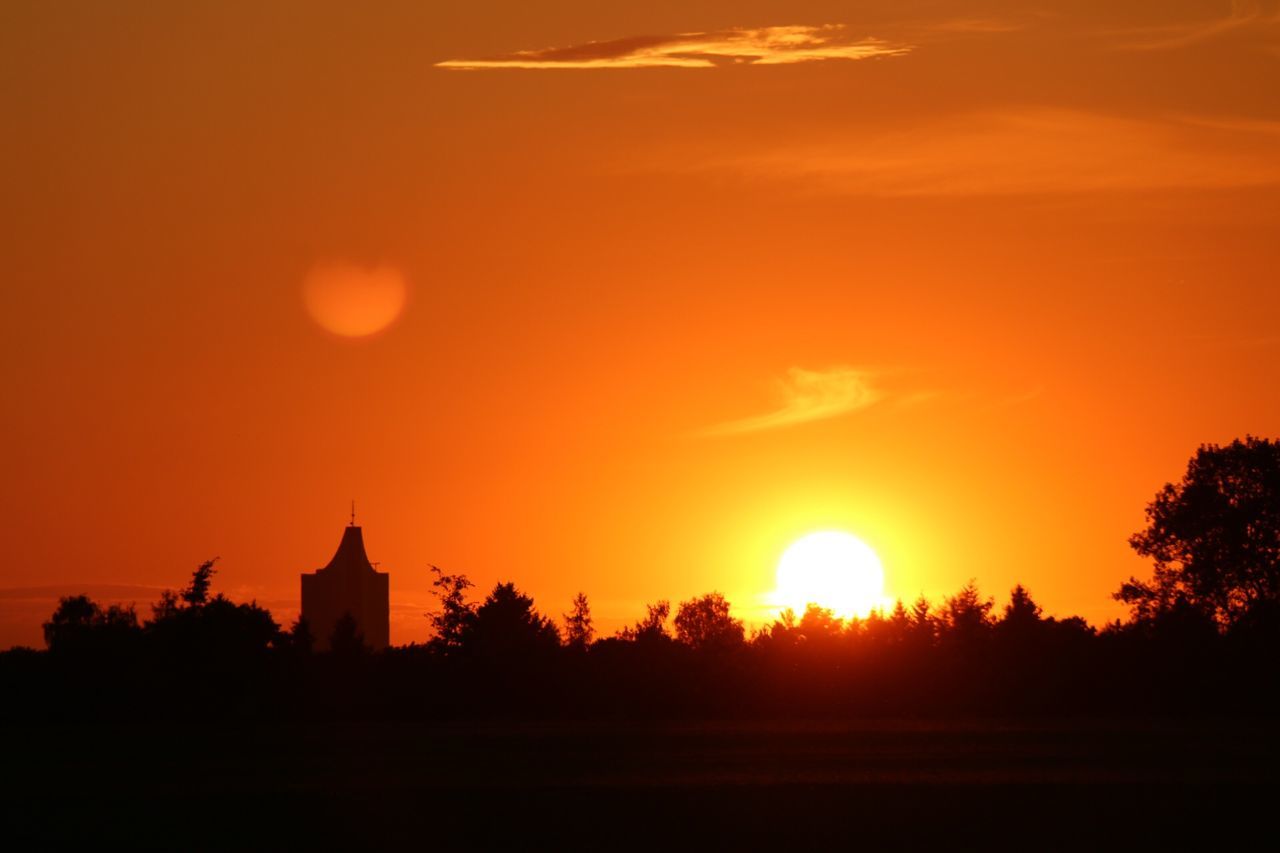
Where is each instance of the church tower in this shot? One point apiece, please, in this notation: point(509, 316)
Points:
point(348, 584)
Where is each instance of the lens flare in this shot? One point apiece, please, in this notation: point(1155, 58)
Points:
point(353, 301)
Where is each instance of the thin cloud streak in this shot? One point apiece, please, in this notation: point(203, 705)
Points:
point(808, 395)
point(1023, 153)
point(783, 45)
point(1245, 16)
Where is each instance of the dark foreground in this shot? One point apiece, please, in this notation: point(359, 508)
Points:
point(868, 785)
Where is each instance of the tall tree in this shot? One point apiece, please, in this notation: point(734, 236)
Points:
point(1214, 536)
point(923, 623)
point(966, 616)
point(1021, 611)
point(197, 592)
point(579, 630)
point(449, 623)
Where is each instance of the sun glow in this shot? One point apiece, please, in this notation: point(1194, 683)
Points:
point(832, 569)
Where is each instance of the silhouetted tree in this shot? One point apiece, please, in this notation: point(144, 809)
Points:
point(652, 628)
point(197, 592)
point(819, 624)
point(1259, 624)
point(1215, 536)
point(888, 630)
point(191, 624)
point(79, 624)
point(923, 625)
point(301, 640)
point(219, 627)
point(818, 630)
point(966, 617)
point(169, 604)
point(347, 641)
point(71, 623)
point(451, 621)
point(874, 627)
point(506, 626)
point(1184, 623)
point(1021, 609)
point(900, 621)
point(704, 623)
point(1021, 617)
point(779, 632)
point(578, 627)
point(194, 595)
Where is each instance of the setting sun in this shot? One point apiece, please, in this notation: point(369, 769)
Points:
point(832, 569)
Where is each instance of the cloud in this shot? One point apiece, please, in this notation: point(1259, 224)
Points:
point(972, 26)
point(1021, 152)
point(1246, 17)
point(783, 45)
point(106, 592)
point(808, 395)
point(1265, 127)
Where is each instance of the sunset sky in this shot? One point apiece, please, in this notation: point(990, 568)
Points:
point(624, 297)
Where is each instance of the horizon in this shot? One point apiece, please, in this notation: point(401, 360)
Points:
point(625, 300)
point(411, 618)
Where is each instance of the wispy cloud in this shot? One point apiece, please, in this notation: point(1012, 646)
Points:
point(1244, 17)
point(783, 45)
point(1262, 126)
point(808, 395)
point(108, 592)
point(971, 26)
point(1020, 152)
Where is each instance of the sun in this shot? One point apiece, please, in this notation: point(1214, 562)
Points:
point(832, 569)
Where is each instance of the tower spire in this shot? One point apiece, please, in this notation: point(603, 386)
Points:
point(353, 512)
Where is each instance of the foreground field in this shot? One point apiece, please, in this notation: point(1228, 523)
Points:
point(884, 785)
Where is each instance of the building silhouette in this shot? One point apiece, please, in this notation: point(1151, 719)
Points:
point(348, 584)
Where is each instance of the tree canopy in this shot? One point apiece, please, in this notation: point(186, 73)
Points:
point(705, 623)
point(1214, 536)
point(506, 625)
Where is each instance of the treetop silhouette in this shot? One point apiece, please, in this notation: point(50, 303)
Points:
point(704, 623)
point(1214, 537)
point(579, 627)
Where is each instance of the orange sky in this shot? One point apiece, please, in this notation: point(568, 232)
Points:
point(970, 280)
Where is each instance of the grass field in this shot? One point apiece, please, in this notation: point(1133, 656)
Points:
point(865, 785)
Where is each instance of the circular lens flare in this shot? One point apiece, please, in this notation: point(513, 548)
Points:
point(354, 301)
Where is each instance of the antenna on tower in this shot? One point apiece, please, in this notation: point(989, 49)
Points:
point(353, 512)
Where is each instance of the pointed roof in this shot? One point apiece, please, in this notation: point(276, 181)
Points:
point(350, 556)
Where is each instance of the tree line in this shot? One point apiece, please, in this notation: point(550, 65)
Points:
point(1201, 636)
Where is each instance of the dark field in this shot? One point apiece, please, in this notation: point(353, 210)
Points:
point(871, 785)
